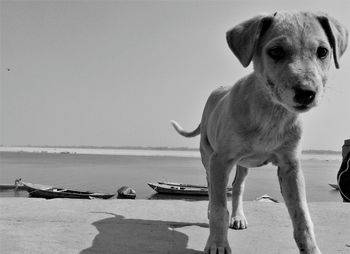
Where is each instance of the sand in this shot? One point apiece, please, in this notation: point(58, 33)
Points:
point(155, 226)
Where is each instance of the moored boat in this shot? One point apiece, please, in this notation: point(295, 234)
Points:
point(182, 184)
point(126, 192)
point(6, 187)
point(334, 186)
point(49, 192)
point(17, 186)
point(181, 189)
point(266, 198)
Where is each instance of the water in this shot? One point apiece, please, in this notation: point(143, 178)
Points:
point(107, 173)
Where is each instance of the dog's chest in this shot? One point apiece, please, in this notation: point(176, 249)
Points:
point(259, 153)
point(264, 144)
point(257, 160)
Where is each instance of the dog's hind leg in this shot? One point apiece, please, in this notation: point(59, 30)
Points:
point(238, 219)
point(206, 151)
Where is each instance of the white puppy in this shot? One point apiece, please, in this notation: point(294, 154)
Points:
point(257, 120)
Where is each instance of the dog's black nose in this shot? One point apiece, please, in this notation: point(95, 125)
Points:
point(303, 96)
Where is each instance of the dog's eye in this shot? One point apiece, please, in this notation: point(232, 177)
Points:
point(322, 52)
point(276, 53)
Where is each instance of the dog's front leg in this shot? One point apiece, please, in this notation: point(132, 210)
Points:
point(292, 185)
point(219, 170)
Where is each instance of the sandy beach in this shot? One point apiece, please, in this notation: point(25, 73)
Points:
point(35, 226)
point(176, 226)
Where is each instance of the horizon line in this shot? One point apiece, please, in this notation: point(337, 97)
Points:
point(180, 148)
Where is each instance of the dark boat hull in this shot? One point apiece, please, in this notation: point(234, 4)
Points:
point(41, 191)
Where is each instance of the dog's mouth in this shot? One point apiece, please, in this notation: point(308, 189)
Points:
point(302, 108)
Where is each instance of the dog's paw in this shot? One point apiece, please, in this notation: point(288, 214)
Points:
point(217, 247)
point(315, 250)
point(238, 222)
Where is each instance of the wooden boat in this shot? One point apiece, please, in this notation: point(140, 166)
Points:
point(17, 186)
point(334, 186)
point(126, 192)
point(182, 184)
point(48, 192)
point(6, 187)
point(266, 198)
point(181, 189)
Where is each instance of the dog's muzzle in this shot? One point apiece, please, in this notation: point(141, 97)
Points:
point(303, 97)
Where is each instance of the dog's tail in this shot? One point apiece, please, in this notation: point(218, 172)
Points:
point(184, 133)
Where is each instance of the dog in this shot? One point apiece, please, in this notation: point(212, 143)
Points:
point(257, 121)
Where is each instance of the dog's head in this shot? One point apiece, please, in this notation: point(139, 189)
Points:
point(291, 52)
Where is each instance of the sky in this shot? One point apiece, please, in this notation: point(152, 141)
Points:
point(114, 73)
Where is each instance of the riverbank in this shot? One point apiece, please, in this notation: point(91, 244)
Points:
point(155, 226)
point(107, 173)
point(149, 151)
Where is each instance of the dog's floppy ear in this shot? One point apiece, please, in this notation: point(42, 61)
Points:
point(337, 36)
point(243, 38)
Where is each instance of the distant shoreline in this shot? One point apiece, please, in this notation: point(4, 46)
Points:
point(148, 151)
point(156, 148)
point(102, 151)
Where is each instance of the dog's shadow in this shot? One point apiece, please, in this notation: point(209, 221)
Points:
point(118, 235)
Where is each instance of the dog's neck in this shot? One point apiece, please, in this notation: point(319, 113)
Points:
point(265, 105)
point(259, 118)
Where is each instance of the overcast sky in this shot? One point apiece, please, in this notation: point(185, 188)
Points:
point(113, 73)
